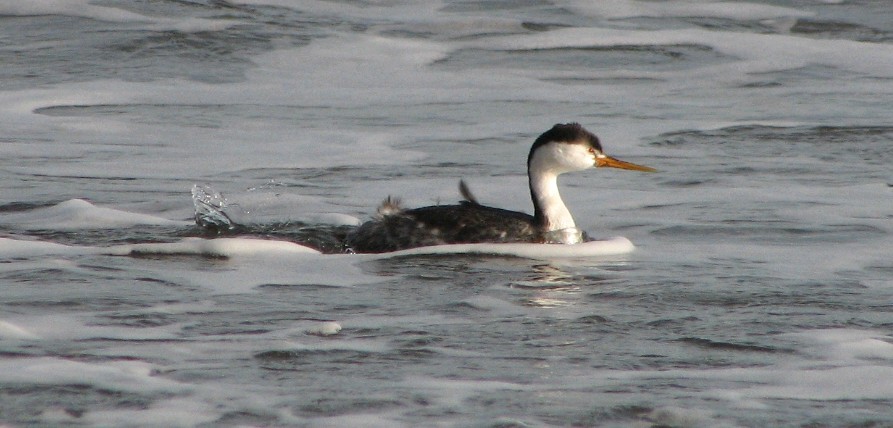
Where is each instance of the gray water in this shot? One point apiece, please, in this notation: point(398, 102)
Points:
point(760, 292)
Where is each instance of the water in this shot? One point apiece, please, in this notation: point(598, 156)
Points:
point(760, 292)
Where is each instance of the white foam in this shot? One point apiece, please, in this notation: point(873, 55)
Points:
point(608, 247)
point(453, 392)
point(344, 70)
point(324, 328)
point(9, 330)
point(80, 214)
point(839, 383)
point(376, 322)
point(846, 345)
point(82, 8)
point(755, 53)
point(87, 9)
point(172, 412)
point(459, 27)
point(251, 263)
point(248, 263)
point(254, 262)
point(326, 72)
point(219, 247)
point(831, 365)
point(374, 11)
point(494, 305)
point(335, 344)
point(69, 327)
point(190, 25)
point(334, 219)
point(684, 417)
point(17, 249)
point(130, 376)
point(624, 9)
point(274, 143)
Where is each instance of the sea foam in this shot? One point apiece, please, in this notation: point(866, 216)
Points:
point(80, 214)
point(87, 9)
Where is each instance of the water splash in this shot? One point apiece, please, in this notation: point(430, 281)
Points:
point(209, 208)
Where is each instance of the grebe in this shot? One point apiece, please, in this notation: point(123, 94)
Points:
point(564, 148)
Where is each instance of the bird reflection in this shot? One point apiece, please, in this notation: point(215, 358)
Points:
point(552, 286)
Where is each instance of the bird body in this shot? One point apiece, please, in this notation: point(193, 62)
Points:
point(564, 148)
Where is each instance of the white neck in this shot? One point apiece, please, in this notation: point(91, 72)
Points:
point(544, 190)
point(545, 163)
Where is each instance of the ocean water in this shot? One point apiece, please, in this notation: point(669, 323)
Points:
point(760, 292)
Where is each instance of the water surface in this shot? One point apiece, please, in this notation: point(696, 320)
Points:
point(760, 292)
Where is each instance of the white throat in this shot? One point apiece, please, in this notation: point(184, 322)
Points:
point(544, 190)
point(546, 163)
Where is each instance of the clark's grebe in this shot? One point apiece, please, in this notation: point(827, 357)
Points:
point(564, 148)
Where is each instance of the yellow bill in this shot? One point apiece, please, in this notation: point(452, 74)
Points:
point(617, 163)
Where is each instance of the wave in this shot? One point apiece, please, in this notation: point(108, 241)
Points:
point(77, 214)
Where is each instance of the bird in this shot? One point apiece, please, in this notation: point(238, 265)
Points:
point(564, 148)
